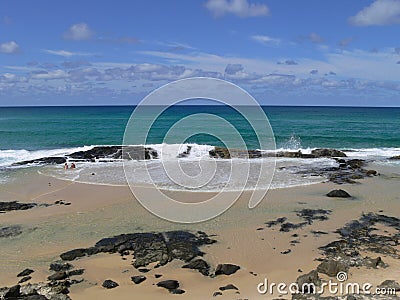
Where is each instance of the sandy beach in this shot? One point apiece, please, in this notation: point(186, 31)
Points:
point(243, 238)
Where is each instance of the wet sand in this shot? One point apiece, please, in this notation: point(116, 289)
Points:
point(99, 211)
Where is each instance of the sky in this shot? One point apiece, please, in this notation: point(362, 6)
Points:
point(282, 52)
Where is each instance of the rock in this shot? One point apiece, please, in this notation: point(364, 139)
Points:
point(157, 275)
point(226, 269)
point(328, 153)
point(304, 281)
point(144, 270)
point(177, 291)
point(200, 265)
point(286, 227)
point(138, 279)
point(217, 294)
point(228, 287)
point(58, 276)
point(13, 292)
point(168, 284)
point(15, 205)
point(75, 272)
point(60, 266)
point(395, 157)
point(338, 194)
point(313, 214)
point(331, 268)
point(286, 251)
point(275, 222)
point(25, 272)
point(371, 173)
point(390, 284)
point(10, 231)
point(374, 262)
point(72, 254)
point(109, 284)
point(24, 279)
point(43, 160)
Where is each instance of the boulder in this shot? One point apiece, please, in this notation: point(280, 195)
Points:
point(226, 269)
point(200, 265)
point(138, 279)
point(338, 194)
point(25, 272)
point(332, 268)
point(168, 284)
point(328, 153)
point(109, 284)
point(308, 282)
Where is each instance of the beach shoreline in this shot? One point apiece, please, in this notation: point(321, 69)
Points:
point(242, 238)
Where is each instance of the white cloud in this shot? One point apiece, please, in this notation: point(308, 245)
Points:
point(78, 32)
point(65, 53)
point(51, 75)
point(265, 40)
point(9, 47)
point(381, 12)
point(240, 8)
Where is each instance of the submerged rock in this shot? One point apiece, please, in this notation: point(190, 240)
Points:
point(10, 231)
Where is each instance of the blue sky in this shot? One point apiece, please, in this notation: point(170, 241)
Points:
point(283, 52)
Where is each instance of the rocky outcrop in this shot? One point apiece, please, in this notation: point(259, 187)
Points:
point(328, 153)
point(198, 264)
point(15, 205)
point(338, 194)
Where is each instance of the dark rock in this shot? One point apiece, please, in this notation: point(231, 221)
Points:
point(226, 269)
point(168, 284)
point(15, 205)
point(13, 292)
point(275, 222)
point(72, 254)
point(374, 262)
point(60, 266)
point(109, 284)
point(217, 294)
point(157, 275)
point(390, 284)
point(286, 227)
point(58, 276)
point(25, 272)
point(24, 279)
point(305, 280)
point(44, 160)
point(395, 157)
point(143, 270)
point(138, 279)
point(10, 231)
point(313, 214)
point(332, 268)
point(200, 265)
point(228, 287)
point(286, 251)
point(76, 272)
point(318, 232)
point(328, 153)
point(177, 291)
point(371, 173)
point(338, 194)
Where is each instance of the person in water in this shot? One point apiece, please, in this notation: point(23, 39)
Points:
point(73, 166)
point(66, 166)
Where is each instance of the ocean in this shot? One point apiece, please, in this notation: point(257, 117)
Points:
point(33, 132)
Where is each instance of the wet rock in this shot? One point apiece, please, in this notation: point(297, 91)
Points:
point(24, 279)
point(305, 280)
point(15, 205)
point(228, 287)
point(138, 279)
point(109, 284)
point(199, 264)
point(168, 284)
point(72, 254)
point(144, 270)
point(43, 160)
point(149, 247)
point(311, 215)
point(25, 272)
point(328, 153)
point(157, 275)
point(217, 294)
point(58, 276)
point(338, 194)
point(60, 266)
point(10, 231)
point(177, 291)
point(286, 251)
point(275, 222)
point(332, 268)
point(75, 272)
point(226, 269)
point(371, 173)
point(286, 227)
point(395, 157)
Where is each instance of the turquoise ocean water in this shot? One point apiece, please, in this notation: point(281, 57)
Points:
point(33, 132)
